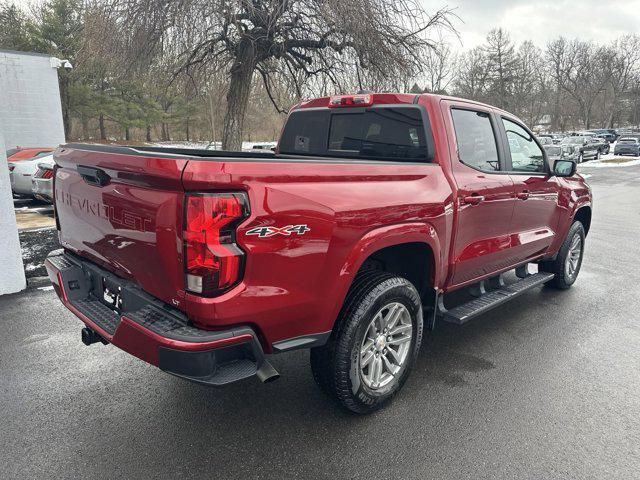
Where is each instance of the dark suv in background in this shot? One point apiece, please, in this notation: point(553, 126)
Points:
point(607, 134)
point(628, 146)
point(580, 148)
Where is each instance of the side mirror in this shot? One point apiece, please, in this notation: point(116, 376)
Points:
point(564, 168)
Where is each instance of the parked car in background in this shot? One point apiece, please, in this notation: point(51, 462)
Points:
point(603, 145)
point(628, 146)
point(624, 132)
point(262, 146)
point(580, 148)
point(19, 153)
point(554, 152)
point(608, 134)
point(42, 183)
point(545, 140)
point(22, 172)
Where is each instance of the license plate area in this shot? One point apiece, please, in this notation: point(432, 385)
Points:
point(110, 294)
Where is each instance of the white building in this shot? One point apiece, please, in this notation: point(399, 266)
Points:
point(30, 108)
point(30, 116)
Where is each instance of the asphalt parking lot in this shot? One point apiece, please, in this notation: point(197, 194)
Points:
point(38, 236)
point(546, 387)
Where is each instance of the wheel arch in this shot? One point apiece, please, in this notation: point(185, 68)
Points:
point(583, 215)
point(413, 261)
point(402, 249)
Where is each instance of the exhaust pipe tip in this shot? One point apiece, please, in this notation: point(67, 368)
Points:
point(266, 373)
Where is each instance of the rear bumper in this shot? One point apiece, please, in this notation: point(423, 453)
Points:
point(151, 330)
point(20, 183)
point(626, 151)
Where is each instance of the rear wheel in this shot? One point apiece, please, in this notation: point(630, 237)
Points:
point(568, 262)
point(374, 345)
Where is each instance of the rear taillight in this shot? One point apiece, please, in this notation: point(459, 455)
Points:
point(213, 261)
point(44, 173)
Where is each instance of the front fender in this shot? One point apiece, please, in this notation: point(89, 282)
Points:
point(570, 201)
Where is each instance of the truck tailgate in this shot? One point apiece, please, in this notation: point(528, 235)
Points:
point(124, 212)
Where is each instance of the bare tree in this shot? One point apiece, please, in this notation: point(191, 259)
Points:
point(556, 58)
point(584, 76)
point(299, 38)
point(623, 58)
point(472, 75)
point(440, 68)
point(501, 66)
point(529, 85)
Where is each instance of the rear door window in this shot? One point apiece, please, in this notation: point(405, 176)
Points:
point(384, 133)
point(476, 139)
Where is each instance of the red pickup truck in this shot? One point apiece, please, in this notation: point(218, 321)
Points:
point(347, 240)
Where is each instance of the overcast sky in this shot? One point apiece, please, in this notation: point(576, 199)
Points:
point(599, 20)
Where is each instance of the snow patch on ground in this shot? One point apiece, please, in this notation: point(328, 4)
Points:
point(603, 164)
point(609, 161)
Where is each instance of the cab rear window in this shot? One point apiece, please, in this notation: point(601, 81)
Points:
point(379, 133)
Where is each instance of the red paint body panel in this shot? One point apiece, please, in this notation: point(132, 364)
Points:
point(133, 225)
point(295, 285)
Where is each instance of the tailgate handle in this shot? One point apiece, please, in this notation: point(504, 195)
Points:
point(94, 176)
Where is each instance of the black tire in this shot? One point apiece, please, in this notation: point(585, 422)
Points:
point(563, 280)
point(336, 365)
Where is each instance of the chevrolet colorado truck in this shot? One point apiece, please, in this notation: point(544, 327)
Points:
point(348, 240)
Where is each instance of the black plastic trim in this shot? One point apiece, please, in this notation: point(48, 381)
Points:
point(303, 341)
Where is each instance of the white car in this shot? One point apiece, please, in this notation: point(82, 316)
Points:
point(23, 171)
point(42, 183)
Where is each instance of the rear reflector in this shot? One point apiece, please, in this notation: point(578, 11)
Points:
point(351, 101)
point(213, 262)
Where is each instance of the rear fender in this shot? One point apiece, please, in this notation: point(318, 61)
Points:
point(379, 239)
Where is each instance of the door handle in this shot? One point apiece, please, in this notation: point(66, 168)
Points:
point(472, 199)
point(523, 195)
point(94, 176)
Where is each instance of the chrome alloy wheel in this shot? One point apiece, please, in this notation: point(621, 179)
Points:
point(386, 345)
point(572, 263)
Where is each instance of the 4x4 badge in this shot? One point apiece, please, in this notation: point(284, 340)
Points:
point(271, 231)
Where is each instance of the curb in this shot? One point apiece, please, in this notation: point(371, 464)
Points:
point(37, 282)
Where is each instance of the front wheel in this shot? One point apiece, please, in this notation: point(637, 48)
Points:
point(374, 345)
point(568, 262)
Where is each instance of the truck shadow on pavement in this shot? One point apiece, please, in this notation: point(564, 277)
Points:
point(448, 356)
